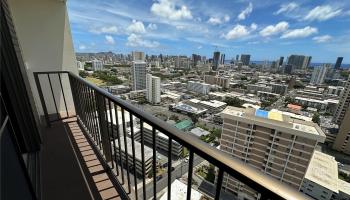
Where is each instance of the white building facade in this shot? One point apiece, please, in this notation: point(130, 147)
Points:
point(201, 88)
point(318, 75)
point(153, 89)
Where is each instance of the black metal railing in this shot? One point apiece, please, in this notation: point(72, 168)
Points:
point(98, 113)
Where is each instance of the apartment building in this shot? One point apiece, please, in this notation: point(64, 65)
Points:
point(97, 65)
point(197, 87)
point(342, 117)
point(153, 89)
point(216, 80)
point(138, 71)
point(271, 142)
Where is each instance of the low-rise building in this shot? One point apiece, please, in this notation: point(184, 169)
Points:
point(187, 109)
point(217, 80)
point(138, 159)
point(199, 132)
point(162, 140)
point(197, 87)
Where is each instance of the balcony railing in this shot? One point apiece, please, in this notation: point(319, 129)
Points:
point(97, 113)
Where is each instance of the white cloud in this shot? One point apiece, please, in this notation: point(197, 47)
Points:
point(246, 12)
point(239, 31)
point(226, 18)
point(200, 47)
point(105, 29)
point(274, 29)
point(285, 8)
point(253, 26)
point(82, 47)
point(152, 26)
point(321, 39)
point(218, 20)
point(322, 13)
point(137, 41)
point(136, 27)
point(109, 39)
point(180, 27)
point(300, 33)
point(168, 9)
point(214, 20)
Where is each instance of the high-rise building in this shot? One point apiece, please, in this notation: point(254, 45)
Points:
point(338, 63)
point(138, 55)
point(342, 117)
point(195, 59)
point(318, 75)
point(97, 65)
point(245, 58)
point(280, 63)
point(153, 89)
point(237, 58)
point(271, 142)
point(222, 59)
point(299, 61)
point(216, 60)
point(288, 69)
point(306, 63)
point(138, 71)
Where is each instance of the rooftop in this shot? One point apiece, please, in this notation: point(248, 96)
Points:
point(148, 151)
point(199, 132)
point(179, 191)
point(183, 124)
point(277, 120)
point(323, 170)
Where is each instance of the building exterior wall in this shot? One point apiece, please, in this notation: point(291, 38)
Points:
point(138, 75)
point(40, 24)
point(153, 89)
point(198, 87)
point(274, 151)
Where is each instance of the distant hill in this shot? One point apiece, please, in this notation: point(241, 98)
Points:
point(99, 54)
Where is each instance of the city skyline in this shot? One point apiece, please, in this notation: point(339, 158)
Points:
point(265, 30)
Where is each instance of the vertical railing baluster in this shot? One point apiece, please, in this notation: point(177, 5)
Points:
point(219, 184)
point(112, 135)
point(103, 123)
point(190, 172)
point(53, 97)
point(92, 114)
point(87, 110)
point(154, 167)
point(126, 150)
point(96, 116)
point(169, 167)
point(133, 151)
point(107, 128)
point(64, 97)
point(119, 143)
point(143, 161)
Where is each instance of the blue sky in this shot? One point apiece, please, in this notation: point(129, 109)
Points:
point(265, 29)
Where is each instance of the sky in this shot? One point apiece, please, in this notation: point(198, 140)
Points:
point(265, 29)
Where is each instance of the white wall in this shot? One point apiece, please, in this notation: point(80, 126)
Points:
point(44, 36)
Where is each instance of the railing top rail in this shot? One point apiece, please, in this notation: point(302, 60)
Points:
point(264, 184)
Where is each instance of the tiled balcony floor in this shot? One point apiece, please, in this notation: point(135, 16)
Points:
point(70, 167)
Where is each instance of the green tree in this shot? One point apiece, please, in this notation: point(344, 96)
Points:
point(234, 101)
point(83, 74)
point(316, 118)
point(211, 174)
